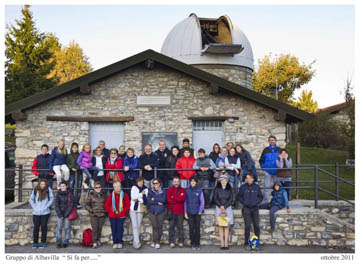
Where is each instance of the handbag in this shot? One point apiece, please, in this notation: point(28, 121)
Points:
point(143, 208)
point(223, 221)
point(73, 215)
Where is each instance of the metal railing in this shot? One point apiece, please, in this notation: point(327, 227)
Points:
point(298, 167)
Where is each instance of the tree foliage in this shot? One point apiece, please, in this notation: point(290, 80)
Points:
point(349, 128)
point(288, 72)
point(28, 58)
point(306, 102)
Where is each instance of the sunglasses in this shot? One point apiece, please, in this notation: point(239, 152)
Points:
point(155, 183)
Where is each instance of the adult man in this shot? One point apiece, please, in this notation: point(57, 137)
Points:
point(175, 197)
point(186, 144)
point(204, 166)
point(105, 151)
point(268, 160)
point(147, 162)
point(163, 153)
point(250, 197)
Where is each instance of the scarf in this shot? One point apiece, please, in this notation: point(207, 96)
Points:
point(112, 161)
point(120, 202)
point(136, 205)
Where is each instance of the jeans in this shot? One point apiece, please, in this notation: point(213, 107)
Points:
point(157, 221)
point(194, 229)
point(57, 170)
point(268, 179)
point(117, 229)
point(176, 221)
point(40, 220)
point(211, 185)
point(60, 223)
point(273, 210)
point(184, 183)
point(251, 216)
point(136, 219)
point(88, 174)
point(96, 226)
point(76, 190)
point(204, 185)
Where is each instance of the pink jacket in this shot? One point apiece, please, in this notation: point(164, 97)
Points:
point(84, 160)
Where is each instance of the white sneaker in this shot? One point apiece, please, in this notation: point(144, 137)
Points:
point(157, 246)
point(119, 245)
point(115, 245)
point(152, 245)
point(85, 186)
point(94, 245)
point(92, 182)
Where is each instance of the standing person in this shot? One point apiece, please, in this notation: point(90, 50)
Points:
point(147, 162)
point(105, 151)
point(41, 200)
point(75, 171)
point(130, 163)
point(204, 166)
point(156, 200)
point(42, 162)
point(215, 152)
point(214, 156)
point(233, 166)
point(186, 144)
point(185, 162)
point(64, 204)
point(171, 163)
point(223, 198)
point(279, 200)
point(122, 152)
point(250, 197)
point(284, 175)
point(162, 153)
point(117, 206)
point(99, 161)
point(57, 162)
point(175, 197)
point(138, 201)
point(85, 162)
point(247, 163)
point(193, 208)
point(113, 162)
point(268, 160)
point(95, 205)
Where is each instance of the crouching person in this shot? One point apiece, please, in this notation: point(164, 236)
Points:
point(250, 197)
point(117, 206)
point(64, 204)
point(41, 200)
point(279, 200)
point(95, 205)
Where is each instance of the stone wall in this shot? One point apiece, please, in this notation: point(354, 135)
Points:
point(237, 74)
point(302, 227)
point(116, 96)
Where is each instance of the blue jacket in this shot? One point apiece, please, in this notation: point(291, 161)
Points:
point(153, 205)
point(268, 158)
point(41, 207)
point(194, 202)
point(279, 197)
point(56, 159)
point(250, 195)
point(132, 163)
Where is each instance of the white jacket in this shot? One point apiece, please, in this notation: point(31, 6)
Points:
point(136, 195)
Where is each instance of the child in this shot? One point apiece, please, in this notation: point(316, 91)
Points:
point(187, 161)
point(130, 163)
point(284, 175)
point(57, 162)
point(42, 162)
point(99, 161)
point(85, 162)
point(75, 170)
point(279, 200)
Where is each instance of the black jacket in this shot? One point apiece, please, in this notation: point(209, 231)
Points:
point(250, 196)
point(246, 160)
point(223, 197)
point(162, 161)
point(151, 160)
point(171, 163)
point(61, 207)
point(103, 160)
point(214, 156)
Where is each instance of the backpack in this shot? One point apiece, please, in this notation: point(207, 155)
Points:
point(87, 238)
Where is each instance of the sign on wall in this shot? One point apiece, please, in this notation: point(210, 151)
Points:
point(154, 138)
point(153, 100)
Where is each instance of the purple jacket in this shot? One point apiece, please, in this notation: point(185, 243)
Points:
point(84, 160)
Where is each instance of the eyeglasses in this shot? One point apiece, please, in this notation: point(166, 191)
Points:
point(113, 153)
point(156, 183)
point(97, 187)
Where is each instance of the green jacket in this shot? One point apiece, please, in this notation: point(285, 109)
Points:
point(71, 160)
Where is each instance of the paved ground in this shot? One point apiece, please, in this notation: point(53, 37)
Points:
point(165, 249)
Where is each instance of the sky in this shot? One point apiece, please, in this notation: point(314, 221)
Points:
point(108, 34)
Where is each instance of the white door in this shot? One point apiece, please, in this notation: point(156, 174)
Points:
point(206, 134)
point(112, 133)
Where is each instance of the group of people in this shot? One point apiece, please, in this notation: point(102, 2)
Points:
point(176, 194)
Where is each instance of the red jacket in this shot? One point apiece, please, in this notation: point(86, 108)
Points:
point(175, 198)
point(184, 162)
point(117, 165)
point(109, 209)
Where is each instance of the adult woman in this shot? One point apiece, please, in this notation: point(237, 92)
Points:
point(215, 152)
point(117, 206)
point(223, 198)
point(130, 163)
point(57, 162)
point(233, 166)
point(114, 162)
point(156, 199)
point(95, 205)
point(171, 163)
point(247, 163)
point(138, 201)
point(41, 200)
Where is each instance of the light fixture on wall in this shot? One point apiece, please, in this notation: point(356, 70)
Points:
point(231, 120)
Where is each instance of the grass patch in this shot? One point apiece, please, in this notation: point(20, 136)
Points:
point(313, 155)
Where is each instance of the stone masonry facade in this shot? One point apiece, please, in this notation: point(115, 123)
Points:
point(116, 96)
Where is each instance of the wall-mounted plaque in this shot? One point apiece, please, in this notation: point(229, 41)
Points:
point(153, 100)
